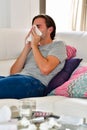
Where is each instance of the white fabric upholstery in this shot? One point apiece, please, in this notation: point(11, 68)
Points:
point(5, 66)
point(76, 39)
point(11, 44)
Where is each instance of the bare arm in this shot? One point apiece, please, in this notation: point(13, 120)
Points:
point(45, 64)
point(19, 63)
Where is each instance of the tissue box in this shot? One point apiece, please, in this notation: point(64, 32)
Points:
point(11, 125)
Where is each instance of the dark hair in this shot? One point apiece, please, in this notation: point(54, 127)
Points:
point(49, 23)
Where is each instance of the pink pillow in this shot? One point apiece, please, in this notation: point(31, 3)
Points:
point(63, 90)
point(71, 51)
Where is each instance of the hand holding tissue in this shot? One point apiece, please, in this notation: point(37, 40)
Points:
point(30, 36)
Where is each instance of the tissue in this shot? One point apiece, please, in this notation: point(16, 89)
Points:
point(11, 125)
point(44, 126)
point(26, 123)
point(37, 31)
point(51, 123)
point(31, 127)
point(5, 114)
point(5, 119)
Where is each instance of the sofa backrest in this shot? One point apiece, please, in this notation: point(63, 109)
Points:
point(76, 39)
point(11, 43)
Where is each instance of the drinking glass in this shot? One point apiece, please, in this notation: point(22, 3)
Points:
point(25, 109)
point(32, 103)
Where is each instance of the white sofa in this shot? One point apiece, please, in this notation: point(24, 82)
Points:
point(11, 44)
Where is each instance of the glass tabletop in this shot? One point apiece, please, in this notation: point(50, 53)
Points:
point(59, 126)
point(72, 127)
point(71, 123)
point(65, 122)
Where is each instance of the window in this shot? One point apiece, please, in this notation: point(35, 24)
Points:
point(68, 15)
point(60, 11)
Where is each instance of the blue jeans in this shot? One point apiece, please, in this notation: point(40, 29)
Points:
point(20, 86)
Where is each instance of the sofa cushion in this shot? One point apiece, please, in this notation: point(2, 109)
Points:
point(11, 43)
point(71, 51)
point(63, 75)
point(5, 66)
point(76, 39)
point(76, 86)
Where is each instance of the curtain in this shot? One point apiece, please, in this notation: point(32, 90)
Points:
point(79, 12)
point(83, 15)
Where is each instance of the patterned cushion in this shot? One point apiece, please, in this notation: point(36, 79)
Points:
point(63, 75)
point(76, 86)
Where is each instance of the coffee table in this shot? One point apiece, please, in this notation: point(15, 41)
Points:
point(63, 126)
point(67, 125)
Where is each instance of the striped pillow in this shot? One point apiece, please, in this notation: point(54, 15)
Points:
point(76, 86)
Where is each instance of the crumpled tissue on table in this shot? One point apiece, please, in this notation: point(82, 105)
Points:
point(5, 119)
point(5, 114)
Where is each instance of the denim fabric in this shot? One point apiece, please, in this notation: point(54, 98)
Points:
point(20, 86)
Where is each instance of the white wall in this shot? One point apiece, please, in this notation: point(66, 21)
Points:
point(18, 13)
point(60, 11)
point(35, 8)
point(22, 12)
point(4, 13)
